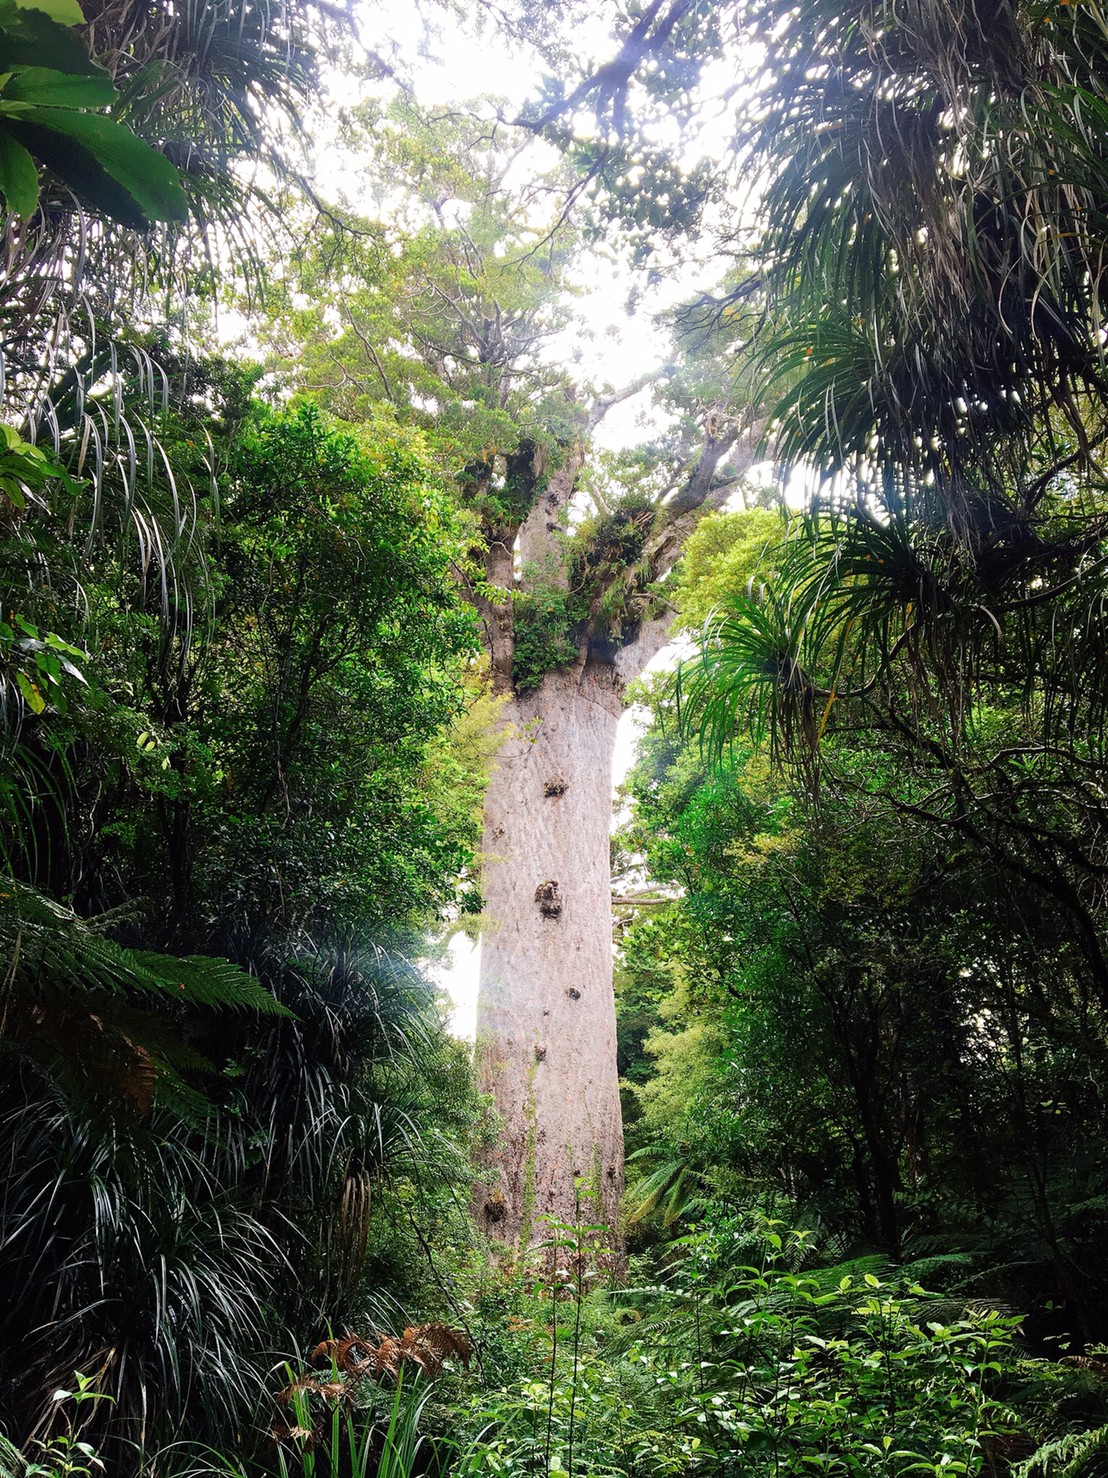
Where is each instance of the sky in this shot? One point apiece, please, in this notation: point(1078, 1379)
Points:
point(450, 62)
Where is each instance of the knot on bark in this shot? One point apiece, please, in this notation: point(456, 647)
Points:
point(554, 787)
point(496, 1207)
point(548, 896)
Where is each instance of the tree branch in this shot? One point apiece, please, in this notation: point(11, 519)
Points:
point(609, 82)
point(602, 406)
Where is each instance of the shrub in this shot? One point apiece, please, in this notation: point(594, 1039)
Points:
point(736, 1358)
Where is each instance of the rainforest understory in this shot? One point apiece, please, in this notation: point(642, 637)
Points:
point(370, 448)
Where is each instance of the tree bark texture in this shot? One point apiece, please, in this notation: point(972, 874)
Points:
point(546, 1026)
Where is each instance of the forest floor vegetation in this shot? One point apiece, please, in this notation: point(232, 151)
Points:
point(735, 1346)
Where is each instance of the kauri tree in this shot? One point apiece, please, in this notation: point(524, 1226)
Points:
point(445, 325)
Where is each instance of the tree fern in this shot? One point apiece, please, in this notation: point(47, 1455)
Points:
point(98, 1018)
point(1074, 1455)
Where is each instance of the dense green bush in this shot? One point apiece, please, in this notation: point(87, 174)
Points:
point(246, 773)
point(542, 637)
point(738, 1351)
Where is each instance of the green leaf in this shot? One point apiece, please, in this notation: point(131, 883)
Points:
point(29, 38)
point(58, 644)
point(18, 176)
point(91, 152)
point(49, 665)
point(63, 12)
point(48, 87)
point(31, 695)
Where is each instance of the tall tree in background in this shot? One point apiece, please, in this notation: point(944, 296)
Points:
point(565, 636)
point(458, 324)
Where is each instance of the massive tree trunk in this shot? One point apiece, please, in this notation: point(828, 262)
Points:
point(546, 1026)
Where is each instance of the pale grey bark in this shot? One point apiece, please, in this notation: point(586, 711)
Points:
point(546, 1026)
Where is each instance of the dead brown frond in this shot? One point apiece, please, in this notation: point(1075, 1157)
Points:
point(430, 1345)
point(351, 1355)
point(309, 1404)
point(307, 1438)
point(329, 1390)
point(427, 1346)
point(1086, 1362)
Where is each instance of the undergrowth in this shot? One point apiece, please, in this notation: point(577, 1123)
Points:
point(734, 1350)
point(731, 1350)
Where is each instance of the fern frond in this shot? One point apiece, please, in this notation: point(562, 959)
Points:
point(1074, 1455)
point(99, 1019)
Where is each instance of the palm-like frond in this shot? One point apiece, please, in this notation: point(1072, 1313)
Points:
point(750, 674)
point(212, 85)
point(97, 1018)
point(331, 1086)
point(933, 253)
point(178, 1248)
point(935, 216)
point(669, 1192)
point(130, 1257)
point(886, 592)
